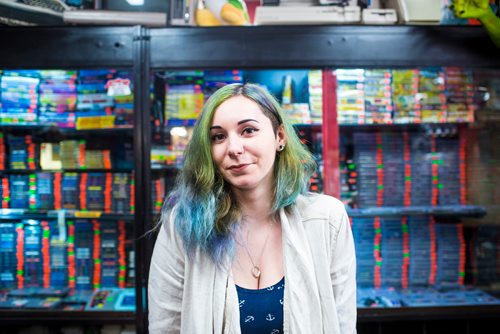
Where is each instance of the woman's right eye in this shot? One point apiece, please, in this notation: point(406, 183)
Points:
point(217, 137)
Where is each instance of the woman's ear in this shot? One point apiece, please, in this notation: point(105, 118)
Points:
point(280, 138)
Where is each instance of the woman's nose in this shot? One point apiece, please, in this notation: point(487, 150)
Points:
point(235, 147)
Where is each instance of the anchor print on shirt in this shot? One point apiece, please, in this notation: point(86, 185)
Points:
point(270, 317)
point(281, 301)
point(275, 331)
point(242, 302)
point(271, 288)
point(249, 318)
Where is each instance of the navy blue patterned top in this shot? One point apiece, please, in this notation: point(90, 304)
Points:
point(261, 311)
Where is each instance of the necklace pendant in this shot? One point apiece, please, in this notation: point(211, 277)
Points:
point(255, 272)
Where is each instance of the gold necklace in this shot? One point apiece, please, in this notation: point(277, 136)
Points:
point(255, 268)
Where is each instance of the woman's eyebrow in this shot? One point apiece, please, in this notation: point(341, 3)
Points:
point(218, 127)
point(247, 120)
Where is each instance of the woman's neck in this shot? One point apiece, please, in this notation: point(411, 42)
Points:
point(256, 207)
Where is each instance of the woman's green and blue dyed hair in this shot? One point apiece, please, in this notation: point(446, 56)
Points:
point(205, 210)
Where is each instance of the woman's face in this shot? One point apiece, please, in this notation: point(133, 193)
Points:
point(244, 144)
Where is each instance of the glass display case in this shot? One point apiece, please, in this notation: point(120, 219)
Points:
point(69, 177)
point(67, 190)
point(402, 121)
point(417, 173)
point(415, 168)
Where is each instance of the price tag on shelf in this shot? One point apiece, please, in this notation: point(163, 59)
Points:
point(88, 214)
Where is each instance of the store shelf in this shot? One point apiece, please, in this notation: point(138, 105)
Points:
point(83, 170)
point(428, 313)
point(442, 210)
point(401, 126)
point(12, 214)
point(52, 129)
point(36, 317)
point(166, 168)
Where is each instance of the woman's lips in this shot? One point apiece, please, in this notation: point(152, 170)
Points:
point(238, 168)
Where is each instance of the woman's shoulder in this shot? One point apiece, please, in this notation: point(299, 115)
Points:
point(319, 206)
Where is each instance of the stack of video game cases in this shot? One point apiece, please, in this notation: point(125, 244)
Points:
point(8, 258)
point(315, 84)
point(92, 97)
point(97, 159)
point(129, 257)
point(391, 249)
point(433, 95)
point(405, 92)
point(58, 255)
point(366, 161)
point(109, 254)
point(460, 95)
point(183, 102)
point(378, 96)
point(451, 254)
point(19, 96)
point(183, 96)
point(421, 248)
point(421, 172)
point(121, 198)
point(449, 171)
point(19, 191)
point(124, 104)
point(350, 96)
point(70, 189)
point(393, 169)
point(363, 230)
point(44, 191)
point(487, 255)
point(58, 98)
point(348, 175)
point(94, 191)
point(33, 261)
point(23, 153)
point(84, 245)
point(70, 154)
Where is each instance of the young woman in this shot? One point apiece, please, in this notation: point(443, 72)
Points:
point(243, 248)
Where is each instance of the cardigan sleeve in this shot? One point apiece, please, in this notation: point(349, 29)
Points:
point(343, 272)
point(166, 282)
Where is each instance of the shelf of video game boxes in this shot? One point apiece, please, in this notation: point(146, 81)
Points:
point(409, 173)
point(179, 98)
point(67, 193)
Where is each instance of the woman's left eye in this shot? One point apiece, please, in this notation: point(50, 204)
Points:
point(249, 130)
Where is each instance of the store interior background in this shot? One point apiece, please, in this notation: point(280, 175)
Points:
point(411, 148)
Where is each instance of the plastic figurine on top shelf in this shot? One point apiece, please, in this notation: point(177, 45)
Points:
point(221, 12)
point(481, 10)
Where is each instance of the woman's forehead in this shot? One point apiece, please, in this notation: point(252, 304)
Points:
point(237, 107)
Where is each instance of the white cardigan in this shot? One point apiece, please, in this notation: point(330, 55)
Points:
point(193, 295)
